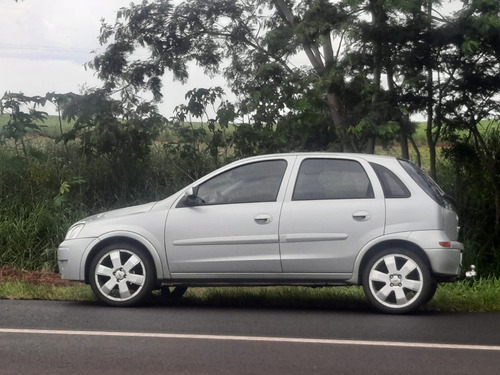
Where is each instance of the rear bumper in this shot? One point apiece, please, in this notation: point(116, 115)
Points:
point(446, 263)
point(445, 256)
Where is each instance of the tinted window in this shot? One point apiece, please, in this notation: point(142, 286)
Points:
point(427, 184)
point(332, 179)
point(391, 184)
point(256, 182)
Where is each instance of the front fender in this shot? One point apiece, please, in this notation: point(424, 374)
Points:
point(154, 248)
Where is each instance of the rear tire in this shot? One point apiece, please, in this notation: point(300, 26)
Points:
point(397, 281)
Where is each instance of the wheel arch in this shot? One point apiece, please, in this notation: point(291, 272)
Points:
point(146, 247)
point(388, 244)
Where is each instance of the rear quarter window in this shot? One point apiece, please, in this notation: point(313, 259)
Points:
point(392, 186)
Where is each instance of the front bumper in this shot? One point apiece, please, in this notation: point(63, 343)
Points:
point(70, 256)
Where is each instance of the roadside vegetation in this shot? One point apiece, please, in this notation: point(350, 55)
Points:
point(477, 296)
point(107, 147)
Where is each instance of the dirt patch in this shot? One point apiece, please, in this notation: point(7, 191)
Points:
point(33, 277)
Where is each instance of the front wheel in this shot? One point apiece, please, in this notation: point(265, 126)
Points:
point(121, 275)
point(397, 281)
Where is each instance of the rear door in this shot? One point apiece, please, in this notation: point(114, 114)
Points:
point(335, 207)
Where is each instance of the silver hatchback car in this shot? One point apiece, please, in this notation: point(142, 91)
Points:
point(310, 219)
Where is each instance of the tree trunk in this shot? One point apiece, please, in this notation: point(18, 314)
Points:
point(403, 141)
point(430, 109)
point(335, 130)
point(431, 144)
point(497, 216)
point(378, 24)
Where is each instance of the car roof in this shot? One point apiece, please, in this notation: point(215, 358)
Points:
point(367, 157)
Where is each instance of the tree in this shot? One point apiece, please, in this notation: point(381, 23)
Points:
point(24, 117)
point(258, 41)
point(472, 114)
point(116, 131)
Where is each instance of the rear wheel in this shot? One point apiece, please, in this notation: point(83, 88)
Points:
point(121, 275)
point(397, 281)
point(433, 289)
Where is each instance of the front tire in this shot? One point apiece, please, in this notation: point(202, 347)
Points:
point(397, 281)
point(121, 275)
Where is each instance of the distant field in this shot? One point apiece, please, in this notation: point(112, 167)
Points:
point(51, 126)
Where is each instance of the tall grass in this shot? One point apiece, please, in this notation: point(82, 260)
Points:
point(44, 192)
point(53, 185)
point(27, 236)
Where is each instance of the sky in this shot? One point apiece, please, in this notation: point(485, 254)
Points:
point(44, 45)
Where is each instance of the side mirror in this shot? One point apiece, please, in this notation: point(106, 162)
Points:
point(191, 198)
point(191, 192)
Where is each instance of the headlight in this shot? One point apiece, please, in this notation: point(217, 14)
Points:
point(74, 231)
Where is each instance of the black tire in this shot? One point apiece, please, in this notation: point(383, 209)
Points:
point(172, 293)
point(122, 275)
point(434, 286)
point(397, 281)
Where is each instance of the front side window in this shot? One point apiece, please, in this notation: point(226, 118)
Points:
point(255, 182)
point(332, 179)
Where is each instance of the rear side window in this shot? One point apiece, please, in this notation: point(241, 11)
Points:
point(392, 186)
point(332, 179)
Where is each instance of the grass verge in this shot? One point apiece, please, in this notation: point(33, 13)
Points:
point(482, 295)
point(27, 290)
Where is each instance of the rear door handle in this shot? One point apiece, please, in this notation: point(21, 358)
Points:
point(263, 219)
point(361, 216)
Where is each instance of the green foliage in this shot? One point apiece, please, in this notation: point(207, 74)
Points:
point(21, 123)
point(475, 160)
point(110, 154)
point(258, 41)
point(28, 236)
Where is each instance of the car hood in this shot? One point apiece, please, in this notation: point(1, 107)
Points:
point(133, 210)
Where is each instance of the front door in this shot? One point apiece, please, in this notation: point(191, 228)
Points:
point(233, 227)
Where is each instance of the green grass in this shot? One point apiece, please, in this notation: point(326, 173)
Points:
point(482, 295)
point(25, 290)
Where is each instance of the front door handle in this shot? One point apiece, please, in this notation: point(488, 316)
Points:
point(263, 219)
point(361, 216)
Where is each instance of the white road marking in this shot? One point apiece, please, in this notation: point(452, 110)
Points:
point(253, 338)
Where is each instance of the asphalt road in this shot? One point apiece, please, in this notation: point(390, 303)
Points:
point(71, 338)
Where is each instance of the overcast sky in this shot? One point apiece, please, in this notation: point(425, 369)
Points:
point(44, 45)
